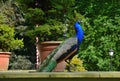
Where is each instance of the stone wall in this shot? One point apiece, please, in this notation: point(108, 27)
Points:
point(58, 76)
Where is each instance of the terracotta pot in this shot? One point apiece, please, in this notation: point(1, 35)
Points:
point(4, 60)
point(46, 48)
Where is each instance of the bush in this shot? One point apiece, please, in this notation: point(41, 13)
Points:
point(75, 65)
point(7, 40)
point(7, 33)
point(19, 63)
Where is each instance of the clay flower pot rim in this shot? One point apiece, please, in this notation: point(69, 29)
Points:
point(51, 42)
point(5, 52)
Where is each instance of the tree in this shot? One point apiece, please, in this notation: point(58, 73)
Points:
point(101, 33)
point(7, 33)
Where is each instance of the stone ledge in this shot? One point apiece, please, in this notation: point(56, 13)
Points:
point(33, 74)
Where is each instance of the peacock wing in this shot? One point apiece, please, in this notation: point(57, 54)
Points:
point(66, 48)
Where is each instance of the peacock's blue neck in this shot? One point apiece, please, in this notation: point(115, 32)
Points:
point(79, 34)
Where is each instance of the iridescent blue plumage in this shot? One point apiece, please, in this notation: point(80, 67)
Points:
point(79, 36)
point(79, 32)
point(64, 51)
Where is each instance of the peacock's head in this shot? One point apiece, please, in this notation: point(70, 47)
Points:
point(77, 25)
point(79, 21)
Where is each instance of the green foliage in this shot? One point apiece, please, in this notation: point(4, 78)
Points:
point(7, 40)
point(53, 30)
point(62, 9)
point(102, 32)
point(93, 8)
point(7, 32)
point(35, 15)
point(19, 63)
point(7, 12)
point(11, 13)
point(76, 65)
point(99, 38)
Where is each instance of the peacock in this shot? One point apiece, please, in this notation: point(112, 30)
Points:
point(66, 50)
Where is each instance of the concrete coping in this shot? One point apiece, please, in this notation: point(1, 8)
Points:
point(34, 74)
